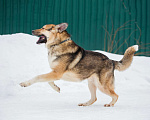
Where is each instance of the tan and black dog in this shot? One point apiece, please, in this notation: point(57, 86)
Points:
point(70, 62)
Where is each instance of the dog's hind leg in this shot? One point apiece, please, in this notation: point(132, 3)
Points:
point(92, 88)
point(113, 95)
point(54, 86)
point(107, 87)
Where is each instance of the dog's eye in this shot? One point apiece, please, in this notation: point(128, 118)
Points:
point(49, 29)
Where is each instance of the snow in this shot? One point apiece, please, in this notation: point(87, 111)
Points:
point(21, 59)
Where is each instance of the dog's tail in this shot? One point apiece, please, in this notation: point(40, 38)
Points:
point(126, 61)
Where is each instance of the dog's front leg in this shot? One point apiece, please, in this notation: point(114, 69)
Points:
point(49, 77)
point(54, 86)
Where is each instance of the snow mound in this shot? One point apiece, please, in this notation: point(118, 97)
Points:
point(21, 59)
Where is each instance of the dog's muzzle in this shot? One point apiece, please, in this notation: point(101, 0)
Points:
point(42, 38)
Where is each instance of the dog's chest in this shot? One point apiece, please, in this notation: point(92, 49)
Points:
point(51, 60)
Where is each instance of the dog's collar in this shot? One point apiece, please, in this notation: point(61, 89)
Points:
point(65, 40)
point(61, 42)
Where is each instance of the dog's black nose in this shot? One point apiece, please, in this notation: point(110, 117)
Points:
point(32, 32)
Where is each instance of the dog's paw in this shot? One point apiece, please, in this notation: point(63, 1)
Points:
point(24, 84)
point(82, 104)
point(108, 105)
point(54, 86)
point(57, 89)
point(90, 102)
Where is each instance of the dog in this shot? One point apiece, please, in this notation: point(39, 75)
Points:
point(71, 62)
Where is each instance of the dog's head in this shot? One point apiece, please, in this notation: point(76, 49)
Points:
point(49, 33)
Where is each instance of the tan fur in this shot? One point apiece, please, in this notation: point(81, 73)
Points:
point(70, 62)
point(75, 61)
point(55, 87)
point(126, 60)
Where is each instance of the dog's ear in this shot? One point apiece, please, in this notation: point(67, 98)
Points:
point(61, 27)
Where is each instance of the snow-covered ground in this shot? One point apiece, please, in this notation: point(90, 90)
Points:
point(22, 59)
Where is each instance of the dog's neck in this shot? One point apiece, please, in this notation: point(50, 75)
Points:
point(53, 45)
point(63, 47)
point(57, 42)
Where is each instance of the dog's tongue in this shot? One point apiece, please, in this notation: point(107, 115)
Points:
point(41, 37)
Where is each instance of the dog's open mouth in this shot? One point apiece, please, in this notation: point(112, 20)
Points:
point(42, 39)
